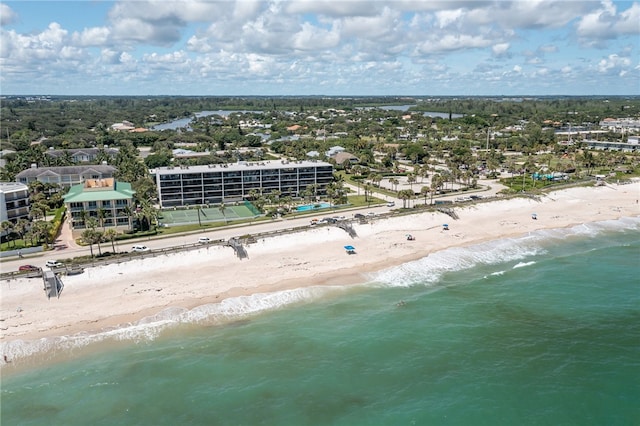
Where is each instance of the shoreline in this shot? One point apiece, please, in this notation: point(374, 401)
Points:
point(115, 296)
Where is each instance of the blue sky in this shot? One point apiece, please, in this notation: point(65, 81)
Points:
point(320, 47)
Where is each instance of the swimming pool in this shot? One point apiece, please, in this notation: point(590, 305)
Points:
point(315, 206)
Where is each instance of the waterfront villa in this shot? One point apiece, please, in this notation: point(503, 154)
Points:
point(65, 175)
point(108, 201)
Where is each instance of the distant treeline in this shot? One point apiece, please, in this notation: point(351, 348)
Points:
point(24, 119)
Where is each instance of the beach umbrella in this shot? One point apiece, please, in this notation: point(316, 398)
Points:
point(349, 248)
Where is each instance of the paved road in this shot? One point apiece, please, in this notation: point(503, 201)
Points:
point(12, 264)
point(71, 249)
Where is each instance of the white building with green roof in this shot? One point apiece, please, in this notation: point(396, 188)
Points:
point(108, 201)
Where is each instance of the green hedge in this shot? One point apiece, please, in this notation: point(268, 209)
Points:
point(57, 222)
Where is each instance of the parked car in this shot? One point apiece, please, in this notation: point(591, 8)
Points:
point(28, 268)
point(53, 264)
point(139, 249)
point(391, 204)
point(204, 240)
point(358, 216)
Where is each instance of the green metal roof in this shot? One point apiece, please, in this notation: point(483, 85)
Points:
point(77, 193)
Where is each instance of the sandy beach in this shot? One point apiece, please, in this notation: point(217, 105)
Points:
point(115, 296)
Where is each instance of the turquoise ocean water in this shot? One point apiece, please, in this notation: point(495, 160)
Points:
point(543, 329)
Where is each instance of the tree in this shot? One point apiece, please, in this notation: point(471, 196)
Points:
point(111, 235)
point(147, 214)
point(222, 208)
point(405, 195)
point(411, 179)
point(425, 191)
point(22, 226)
point(7, 227)
point(87, 237)
point(102, 214)
point(94, 236)
point(41, 231)
point(436, 184)
point(394, 183)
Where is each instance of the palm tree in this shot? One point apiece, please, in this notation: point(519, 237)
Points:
point(411, 179)
point(95, 236)
point(405, 195)
point(42, 230)
point(222, 208)
point(87, 237)
point(110, 235)
point(7, 227)
point(377, 178)
point(367, 191)
point(129, 213)
point(102, 214)
point(424, 191)
point(148, 213)
point(436, 183)
point(22, 227)
point(394, 182)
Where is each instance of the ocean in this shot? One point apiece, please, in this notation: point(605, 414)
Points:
point(542, 330)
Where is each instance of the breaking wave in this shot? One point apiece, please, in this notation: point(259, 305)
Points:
point(425, 271)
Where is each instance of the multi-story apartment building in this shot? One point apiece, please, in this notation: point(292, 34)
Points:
point(65, 175)
point(224, 183)
point(14, 201)
point(108, 201)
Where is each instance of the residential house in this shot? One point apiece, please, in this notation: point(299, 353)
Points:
point(82, 155)
point(65, 175)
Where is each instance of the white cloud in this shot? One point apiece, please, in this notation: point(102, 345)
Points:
point(349, 46)
point(313, 38)
point(7, 15)
point(605, 23)
point(447, 17)
point(500, 49)
point(136, 30)
point(334, 9)
point(452, 42)
point(96, 36)
point(613, 64)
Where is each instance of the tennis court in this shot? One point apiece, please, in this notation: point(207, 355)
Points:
point(183, 215)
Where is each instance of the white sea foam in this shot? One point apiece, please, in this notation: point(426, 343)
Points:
point(523, 264)
point(149, 328)
point(430, 269)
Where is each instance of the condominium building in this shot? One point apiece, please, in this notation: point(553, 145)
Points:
point(224, 183)
point(65, 175)
point(14, 201)
point(108, 201)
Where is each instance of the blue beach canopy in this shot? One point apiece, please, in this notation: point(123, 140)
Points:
point(349, 247)
point(444, 224)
